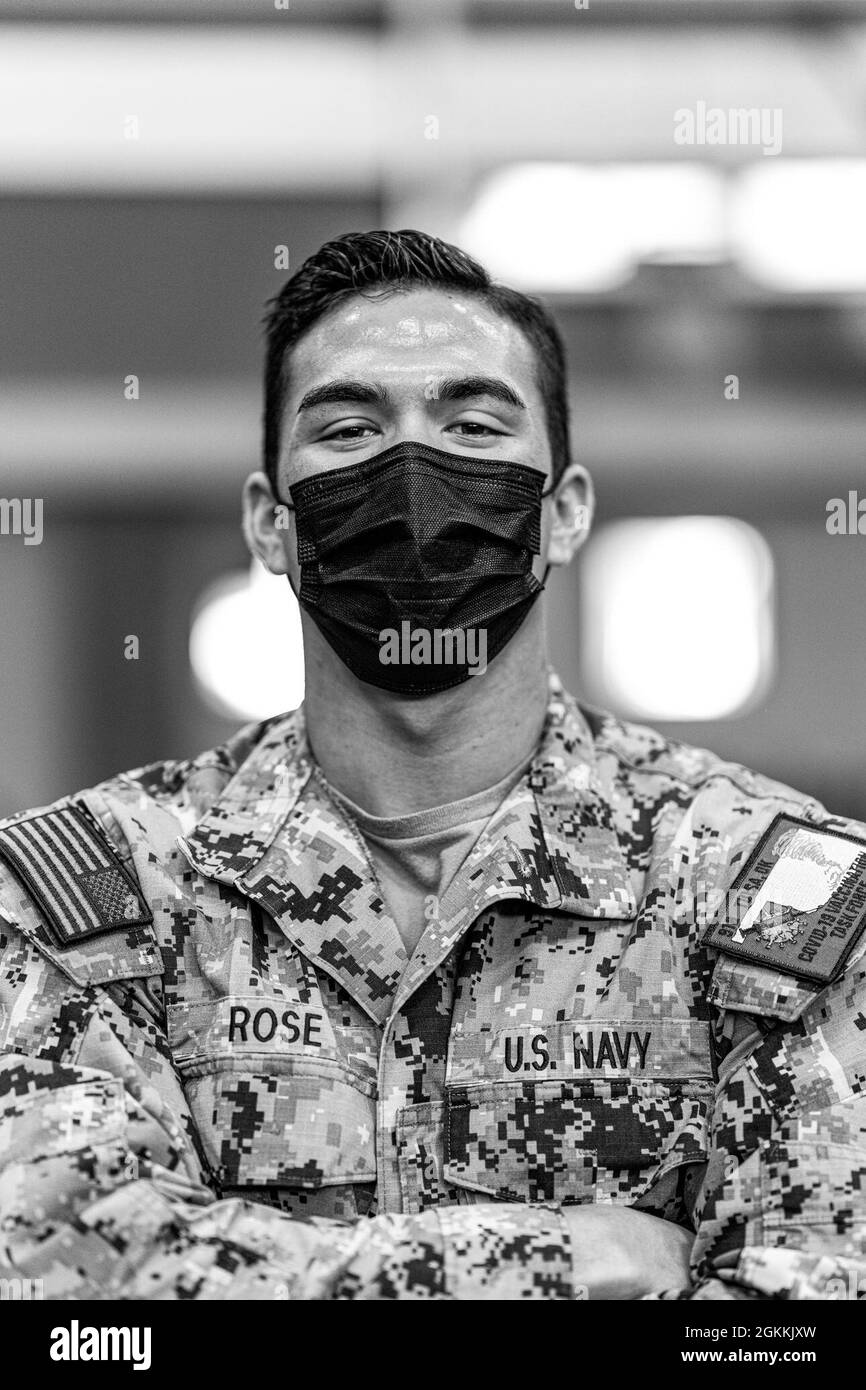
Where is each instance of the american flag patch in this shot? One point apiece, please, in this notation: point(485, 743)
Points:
point(74, 875)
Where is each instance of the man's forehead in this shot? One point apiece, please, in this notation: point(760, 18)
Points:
point(409, 331)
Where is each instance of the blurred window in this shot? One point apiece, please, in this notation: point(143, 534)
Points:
point(548, 226)
point(791, 225)
point(245, 645)
point(800, 224)
point(677, 618)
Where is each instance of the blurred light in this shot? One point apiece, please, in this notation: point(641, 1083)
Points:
point(245, 645)
point(801, 224)
point(584, 227)
point(677, 618)
point(187, 108)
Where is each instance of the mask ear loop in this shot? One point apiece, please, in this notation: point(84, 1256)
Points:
point(547, 493)
point(278, 502)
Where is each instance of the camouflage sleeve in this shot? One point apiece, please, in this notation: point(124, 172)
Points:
point(102, 1194)
point(782, 1212)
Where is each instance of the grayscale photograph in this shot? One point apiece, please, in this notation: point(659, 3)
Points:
point(432, 666)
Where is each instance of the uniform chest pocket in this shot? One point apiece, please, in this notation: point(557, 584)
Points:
point(579, 1111)
point(573, 1141)
point(278, 1099)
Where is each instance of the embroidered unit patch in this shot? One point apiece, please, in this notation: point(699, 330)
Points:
point(799, 905)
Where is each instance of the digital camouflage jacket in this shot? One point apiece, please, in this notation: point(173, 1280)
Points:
point(220, 1076)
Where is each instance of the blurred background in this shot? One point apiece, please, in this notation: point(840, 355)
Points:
point(684, 183)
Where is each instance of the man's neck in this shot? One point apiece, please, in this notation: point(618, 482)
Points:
point(394, 756)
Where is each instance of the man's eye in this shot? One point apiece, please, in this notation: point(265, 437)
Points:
point(474, 429)
point(349, 432)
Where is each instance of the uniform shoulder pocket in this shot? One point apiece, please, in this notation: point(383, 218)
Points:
point(748, 988)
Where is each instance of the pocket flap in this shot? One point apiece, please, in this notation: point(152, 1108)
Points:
point(745, 987)
point(573, 1141)
point(278, 1099)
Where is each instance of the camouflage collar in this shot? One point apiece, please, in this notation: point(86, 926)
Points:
point(275, 836)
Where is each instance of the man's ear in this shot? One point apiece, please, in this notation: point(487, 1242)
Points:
point(573, 503)
point(266, 524)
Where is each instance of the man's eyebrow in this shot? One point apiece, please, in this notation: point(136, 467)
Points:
point(336, 392)
point(461, 388)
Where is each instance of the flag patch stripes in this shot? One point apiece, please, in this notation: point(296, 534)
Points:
point(74, 874)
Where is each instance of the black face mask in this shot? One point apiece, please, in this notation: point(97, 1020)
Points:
point(433, 550)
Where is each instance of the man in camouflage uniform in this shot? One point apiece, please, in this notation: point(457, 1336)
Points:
point(601, 1060)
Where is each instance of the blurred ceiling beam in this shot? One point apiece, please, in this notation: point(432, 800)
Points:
point(379, 12)
point(223, 110)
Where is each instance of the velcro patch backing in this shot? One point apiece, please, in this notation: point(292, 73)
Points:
point(799, 904)
point(73, 874)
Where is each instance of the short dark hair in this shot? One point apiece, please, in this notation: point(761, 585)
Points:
point(360, 261)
